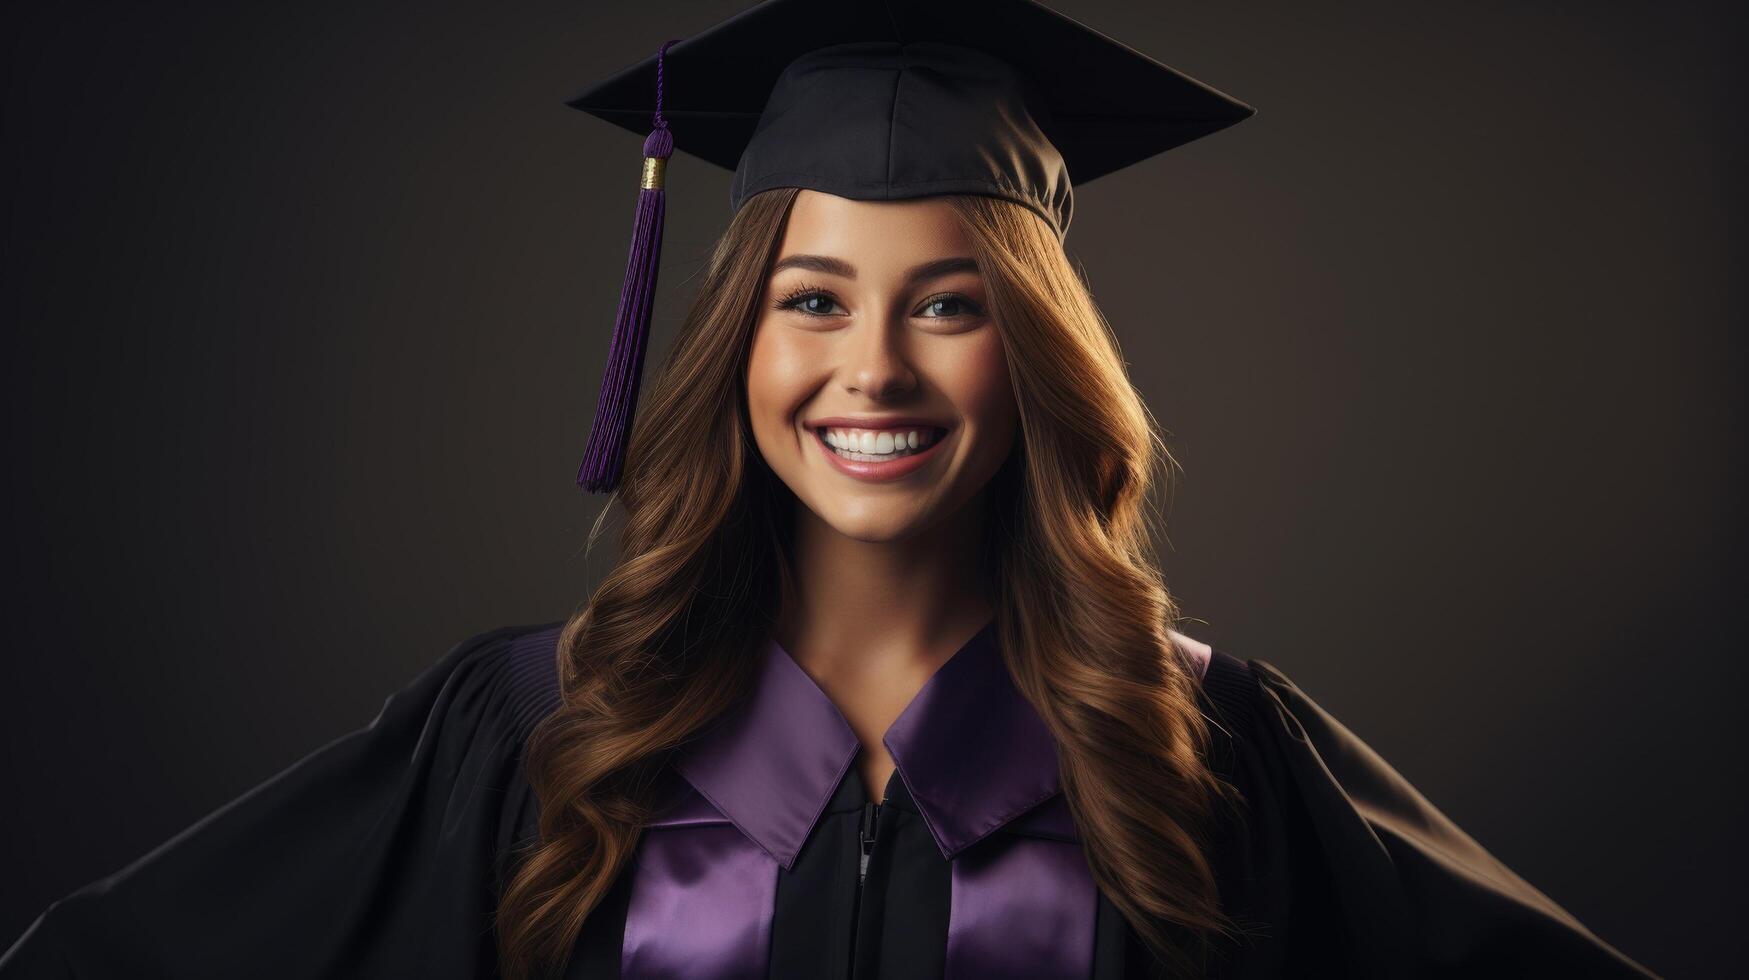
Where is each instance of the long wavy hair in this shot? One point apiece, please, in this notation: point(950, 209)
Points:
point(669, 638)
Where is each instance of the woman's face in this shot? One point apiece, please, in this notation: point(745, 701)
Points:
point(877, 385)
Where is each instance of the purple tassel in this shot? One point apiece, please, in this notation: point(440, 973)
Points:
point(615, 406)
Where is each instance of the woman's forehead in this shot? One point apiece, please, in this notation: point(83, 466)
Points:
point(878, 235)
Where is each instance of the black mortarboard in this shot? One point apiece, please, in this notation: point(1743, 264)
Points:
point(882, 100)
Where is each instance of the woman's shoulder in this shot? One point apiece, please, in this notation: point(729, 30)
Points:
point(1225, 683)
point(482, 702)
point(509, 674)
point(1398, 888)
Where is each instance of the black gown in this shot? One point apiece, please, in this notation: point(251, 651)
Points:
point(382, 853)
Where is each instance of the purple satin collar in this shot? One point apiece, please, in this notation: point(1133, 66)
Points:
point(772, 762)
point(971, 749)
point(972, 752)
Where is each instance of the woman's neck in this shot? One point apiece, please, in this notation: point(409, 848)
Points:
point(870, 622)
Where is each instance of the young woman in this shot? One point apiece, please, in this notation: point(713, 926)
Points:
point(885, 682)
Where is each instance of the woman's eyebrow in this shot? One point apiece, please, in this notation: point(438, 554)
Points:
point(816, 263)
point(941, 267)
point(838, 267)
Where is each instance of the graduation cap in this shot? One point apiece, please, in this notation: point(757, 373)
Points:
point(881, 100)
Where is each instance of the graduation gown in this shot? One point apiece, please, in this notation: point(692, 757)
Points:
point(382, 853)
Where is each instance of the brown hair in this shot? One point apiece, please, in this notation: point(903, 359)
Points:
point(668, 640)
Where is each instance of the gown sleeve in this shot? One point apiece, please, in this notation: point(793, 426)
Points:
point(379, 854)
point(1351, 871)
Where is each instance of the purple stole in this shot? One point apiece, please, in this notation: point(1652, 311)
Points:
point(978, 763)
point(703, 894)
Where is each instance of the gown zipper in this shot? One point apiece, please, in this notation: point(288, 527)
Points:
point(871, 813)
point(866, 832)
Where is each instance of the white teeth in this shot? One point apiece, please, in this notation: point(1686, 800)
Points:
point(875, 444)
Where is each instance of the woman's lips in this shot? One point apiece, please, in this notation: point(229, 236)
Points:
point(878, 471)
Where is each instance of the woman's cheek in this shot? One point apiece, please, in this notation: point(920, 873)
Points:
point(777, 381)
point(980, 384)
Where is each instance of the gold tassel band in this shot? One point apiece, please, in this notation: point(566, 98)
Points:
point(652, 180)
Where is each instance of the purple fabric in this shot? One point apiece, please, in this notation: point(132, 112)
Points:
point(1198, 652)
point(701, 904)
point(770, 764)
point(689, 810)
point(1049, 819)
point(1021, 907)
point(975, 757)
point(971, 749)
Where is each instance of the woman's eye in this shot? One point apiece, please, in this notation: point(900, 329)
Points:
point(815, 304)
point(948, 305)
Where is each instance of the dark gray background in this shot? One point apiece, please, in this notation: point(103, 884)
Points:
point(306, 304)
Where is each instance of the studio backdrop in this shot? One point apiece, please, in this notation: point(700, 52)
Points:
point(305, 308)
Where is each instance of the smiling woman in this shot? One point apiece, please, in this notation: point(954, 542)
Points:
point(922, 629)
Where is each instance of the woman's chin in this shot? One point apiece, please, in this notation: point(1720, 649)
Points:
point(877, 521)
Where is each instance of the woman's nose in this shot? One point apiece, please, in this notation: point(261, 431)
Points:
point(877, 364)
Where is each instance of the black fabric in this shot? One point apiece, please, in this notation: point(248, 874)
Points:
point(920, 121)
point(1339, 867)
point(902, 915)
point(866, 121)
point(807, 931)
point(823, 925)
point(382, 853)
point(596, 955)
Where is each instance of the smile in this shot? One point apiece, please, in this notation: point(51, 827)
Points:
point(877, 445)
point(878, 454)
